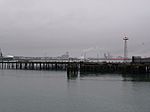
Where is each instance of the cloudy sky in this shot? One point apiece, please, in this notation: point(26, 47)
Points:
point(52, 27)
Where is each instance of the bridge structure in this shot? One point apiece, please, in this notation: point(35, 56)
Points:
point(75, 66)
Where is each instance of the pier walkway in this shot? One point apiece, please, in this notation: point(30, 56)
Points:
point(73, 66)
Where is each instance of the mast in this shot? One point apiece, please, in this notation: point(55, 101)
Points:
point(1, 54)
point(125, 48)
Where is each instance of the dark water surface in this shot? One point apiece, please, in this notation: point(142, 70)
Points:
point(49, 91)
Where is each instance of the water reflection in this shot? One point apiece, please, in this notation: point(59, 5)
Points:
point(136, 77)
point(72, 75)
point(92, 74)
point(100, 76)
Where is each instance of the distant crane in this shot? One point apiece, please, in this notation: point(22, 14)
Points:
point(1, 54)
point(125, 47)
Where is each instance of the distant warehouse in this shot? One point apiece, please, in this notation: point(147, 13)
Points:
point(138, 59)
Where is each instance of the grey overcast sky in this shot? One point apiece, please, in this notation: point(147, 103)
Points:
point(52, 27)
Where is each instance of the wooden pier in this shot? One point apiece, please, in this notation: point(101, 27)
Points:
point(124, 68)
point(74, 67)
point(34, 65)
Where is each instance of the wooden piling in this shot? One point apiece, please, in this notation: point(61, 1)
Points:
point(82, 67)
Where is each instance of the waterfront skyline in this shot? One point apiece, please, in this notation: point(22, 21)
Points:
point(50, 28)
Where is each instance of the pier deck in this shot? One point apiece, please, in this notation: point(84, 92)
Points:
point(75, 66)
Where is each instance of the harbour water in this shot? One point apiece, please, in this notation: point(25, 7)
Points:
point(52, 91)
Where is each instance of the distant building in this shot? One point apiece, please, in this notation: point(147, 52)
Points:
point(64, 56)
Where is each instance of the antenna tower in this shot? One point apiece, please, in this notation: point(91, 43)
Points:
point(1, 54)
point(125, 47)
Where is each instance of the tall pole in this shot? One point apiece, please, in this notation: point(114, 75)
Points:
point(125, 48)
point(84, 55)
point(1, 54)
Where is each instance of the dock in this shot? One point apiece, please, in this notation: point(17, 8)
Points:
point(75, 66)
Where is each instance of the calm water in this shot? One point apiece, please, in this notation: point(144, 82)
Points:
point(47, 91)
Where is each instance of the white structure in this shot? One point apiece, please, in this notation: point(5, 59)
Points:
point(1, 54)
point(125, 48)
